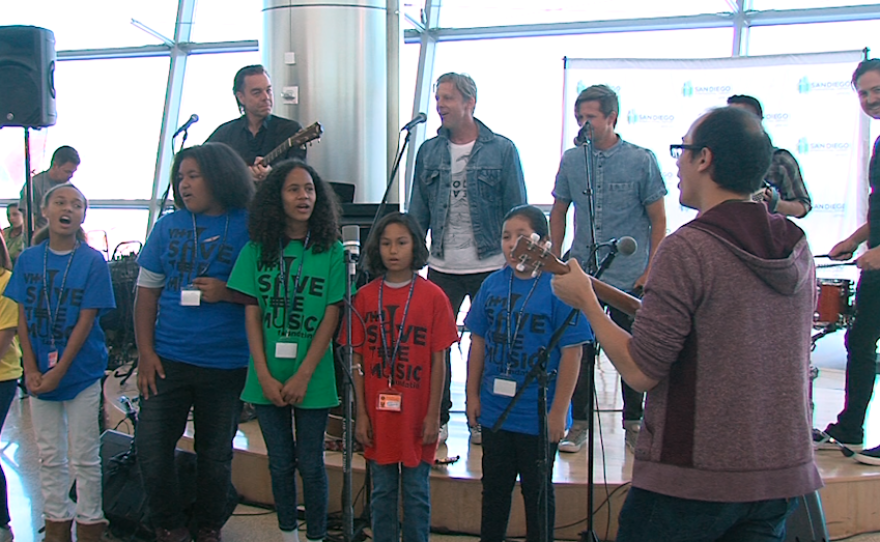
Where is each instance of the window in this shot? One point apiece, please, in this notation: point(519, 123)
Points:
point(228, 20)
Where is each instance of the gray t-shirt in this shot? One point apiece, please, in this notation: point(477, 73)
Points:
point(41, 184)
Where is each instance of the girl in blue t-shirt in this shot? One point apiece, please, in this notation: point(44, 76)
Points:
point(511, 320)
point(62, 286)
point(294, 271)
point(192, 347)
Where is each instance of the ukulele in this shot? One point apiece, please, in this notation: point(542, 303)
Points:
point(306, 135)
point(535, 257)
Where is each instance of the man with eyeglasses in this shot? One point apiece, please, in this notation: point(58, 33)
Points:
point(784, 191)
point(628, 193)
point(726, 446)
point(862, 337)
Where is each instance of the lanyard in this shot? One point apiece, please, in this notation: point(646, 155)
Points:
point(199, 269)
point(511, 339)
point(53, 317)
point(412, 286)
point(289, 300)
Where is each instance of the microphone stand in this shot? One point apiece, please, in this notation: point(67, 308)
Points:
point(351, 260)
point(29, 187)
point(585, 140)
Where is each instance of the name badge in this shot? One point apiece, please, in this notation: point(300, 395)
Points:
point(190, 297)
point(285, 350)
point(53, 358)
point(504, 387)
point(390, 401)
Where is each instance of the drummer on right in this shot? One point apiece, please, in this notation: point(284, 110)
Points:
point(862, 337)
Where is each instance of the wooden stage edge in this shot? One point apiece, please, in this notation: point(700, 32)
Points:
point(849, 497)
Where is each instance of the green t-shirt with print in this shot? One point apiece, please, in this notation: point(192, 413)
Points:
point(321, 283)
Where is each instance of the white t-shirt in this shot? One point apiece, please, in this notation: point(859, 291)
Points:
point(459, 247)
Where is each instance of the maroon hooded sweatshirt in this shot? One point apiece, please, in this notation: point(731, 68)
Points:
point(725, 328)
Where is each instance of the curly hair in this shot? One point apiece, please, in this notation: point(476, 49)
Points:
point(224, 172)
point(267, 221)
point(372, 248)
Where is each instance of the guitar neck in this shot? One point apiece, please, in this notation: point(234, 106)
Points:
point(277, 151)
point(618, 299)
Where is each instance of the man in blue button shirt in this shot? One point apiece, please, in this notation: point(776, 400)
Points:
point(465, 181)
point(628, 192)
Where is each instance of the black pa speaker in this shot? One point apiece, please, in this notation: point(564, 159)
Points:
point(27, 77)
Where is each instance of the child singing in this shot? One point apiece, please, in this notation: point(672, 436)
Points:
point(512, 318)
point(62, 286)
point(401, 349)
point(294, 272)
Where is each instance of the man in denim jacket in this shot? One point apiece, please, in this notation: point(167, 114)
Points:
point(466, 179)
point(628, 195)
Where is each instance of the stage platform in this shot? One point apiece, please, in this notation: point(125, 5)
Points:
point(850, 496)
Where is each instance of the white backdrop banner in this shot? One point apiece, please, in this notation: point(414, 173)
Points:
point(809, 105)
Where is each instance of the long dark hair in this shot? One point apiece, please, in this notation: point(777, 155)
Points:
point(5, 260)
point(224, 172)
point(372, 249)
point(267, 221)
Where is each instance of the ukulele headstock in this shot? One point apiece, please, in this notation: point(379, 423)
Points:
point(535, 257)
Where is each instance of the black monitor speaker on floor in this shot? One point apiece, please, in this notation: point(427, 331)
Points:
point(27, 77)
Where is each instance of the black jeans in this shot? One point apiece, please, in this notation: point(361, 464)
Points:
point(506, 454)
point(861, 362)
point(213, 395)
point(580, 400)
point(456, 287)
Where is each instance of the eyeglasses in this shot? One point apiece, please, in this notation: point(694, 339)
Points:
point(676, 150)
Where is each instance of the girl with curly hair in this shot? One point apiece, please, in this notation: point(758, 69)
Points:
point(294, 271)
point(192, 346)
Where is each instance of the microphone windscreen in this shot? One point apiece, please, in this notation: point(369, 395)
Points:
point(351, 234)
point(627, 245)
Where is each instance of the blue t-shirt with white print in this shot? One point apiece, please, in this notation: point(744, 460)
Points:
point(541, 316)
point(209, 335)
point(87, 286)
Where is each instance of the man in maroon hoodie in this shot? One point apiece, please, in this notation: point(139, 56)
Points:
point(721, 345)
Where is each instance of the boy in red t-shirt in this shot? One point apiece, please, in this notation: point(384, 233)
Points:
point(401, 349)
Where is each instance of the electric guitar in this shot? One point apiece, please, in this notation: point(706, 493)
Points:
point(534, 257)
point(306, 135)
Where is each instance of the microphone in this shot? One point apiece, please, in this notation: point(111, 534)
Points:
point(186, 125)
point(624, 246)
point(420, 118)
point(351, 243)
point(583, 134)
point(128, 408)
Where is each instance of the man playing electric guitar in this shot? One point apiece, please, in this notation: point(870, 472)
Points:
point(257, 131)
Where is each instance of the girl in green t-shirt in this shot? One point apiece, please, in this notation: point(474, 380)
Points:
point(293, 268)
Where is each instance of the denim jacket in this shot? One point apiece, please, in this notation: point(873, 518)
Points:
point(495, 185)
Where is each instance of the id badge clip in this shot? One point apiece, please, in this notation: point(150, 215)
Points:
point(390, 401)
point(504, 387)
point(190, 296)
point(285, 349)
point(53, 358)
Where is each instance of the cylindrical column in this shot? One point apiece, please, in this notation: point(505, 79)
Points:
point(331, 55)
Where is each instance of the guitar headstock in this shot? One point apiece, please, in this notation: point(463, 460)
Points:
point(534, 257)
point(309, 133)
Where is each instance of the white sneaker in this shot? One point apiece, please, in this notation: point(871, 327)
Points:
point(574, 440)
point(444, 434)
point(476, 434)
point(631, 429)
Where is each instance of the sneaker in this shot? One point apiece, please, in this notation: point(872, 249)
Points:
point(575, 438)
point(6, 534)
point(869, 457)
point(830, 439)
point(444, 434)
point(476, 434)
point(631, 429)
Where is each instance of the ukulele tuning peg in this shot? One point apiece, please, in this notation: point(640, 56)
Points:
point(520, 267)
point(535, 237)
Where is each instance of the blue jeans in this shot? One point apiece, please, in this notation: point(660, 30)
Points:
point(213, 394)
point(415, 482)
point(305, 453)
point(648, 517)
point(7, 393)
